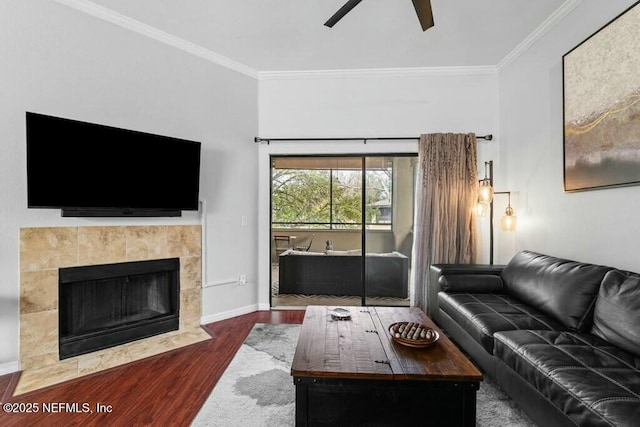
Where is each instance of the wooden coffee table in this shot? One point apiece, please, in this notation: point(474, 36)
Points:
point(351, 372)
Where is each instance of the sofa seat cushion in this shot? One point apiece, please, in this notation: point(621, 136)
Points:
point(481, 315)
point(590, 380)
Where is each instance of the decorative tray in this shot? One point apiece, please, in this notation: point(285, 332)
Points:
point(340, 314)
point(413, 334)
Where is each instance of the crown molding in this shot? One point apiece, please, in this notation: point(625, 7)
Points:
point(377, 72)
point(131, 24)
point(553, 20)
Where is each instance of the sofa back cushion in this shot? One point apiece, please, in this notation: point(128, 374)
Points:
point(560, 288)
point(616, 318)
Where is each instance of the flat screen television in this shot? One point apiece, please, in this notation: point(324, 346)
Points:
point(87, 169)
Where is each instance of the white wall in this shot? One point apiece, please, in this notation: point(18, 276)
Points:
point(393, 103)
point(594, 226)
point(59, 61)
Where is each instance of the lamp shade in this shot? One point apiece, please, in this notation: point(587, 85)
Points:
point(509, 220)
point(481, 208)
point(485, 191)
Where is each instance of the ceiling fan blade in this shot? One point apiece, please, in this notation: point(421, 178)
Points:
point(346, 8)
point(425, 15)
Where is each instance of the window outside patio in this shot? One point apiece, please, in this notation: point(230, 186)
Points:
point(318, 200)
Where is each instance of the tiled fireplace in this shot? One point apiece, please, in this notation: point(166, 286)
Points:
point(43, 251)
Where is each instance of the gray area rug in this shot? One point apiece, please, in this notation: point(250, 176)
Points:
point(257, 388)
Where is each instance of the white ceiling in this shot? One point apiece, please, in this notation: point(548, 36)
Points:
point(289, 35)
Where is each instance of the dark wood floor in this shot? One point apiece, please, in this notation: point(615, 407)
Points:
point(167, 389)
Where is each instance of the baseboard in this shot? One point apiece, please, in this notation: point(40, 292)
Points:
point(229, 314)
point(9, 367)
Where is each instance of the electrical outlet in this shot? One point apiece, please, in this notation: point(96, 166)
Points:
point(242, 279)
point(244, 221)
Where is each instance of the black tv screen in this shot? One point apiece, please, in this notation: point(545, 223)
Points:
point(88, 169)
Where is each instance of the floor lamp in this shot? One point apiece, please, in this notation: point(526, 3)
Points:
point(486, 193)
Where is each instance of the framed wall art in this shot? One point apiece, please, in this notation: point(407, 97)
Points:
point(601, 85)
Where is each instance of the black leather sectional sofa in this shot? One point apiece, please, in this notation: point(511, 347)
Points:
point(561, 337)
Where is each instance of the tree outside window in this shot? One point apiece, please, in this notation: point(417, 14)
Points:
point(331, 198)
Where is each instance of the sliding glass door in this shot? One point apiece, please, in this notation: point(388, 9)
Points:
point(388, 230)
point(341, 229)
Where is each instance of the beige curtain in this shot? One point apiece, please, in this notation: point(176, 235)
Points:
point(446, 194)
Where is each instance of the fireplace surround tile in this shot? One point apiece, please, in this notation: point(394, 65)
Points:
point(40, 361)
point(48, 247)
point(146, 243)
point(38, 336)
point(39, 291)
point(189, 307)
point(34, 379)
point(104, 359)
point(189, 337)
point(43, 250)
point(101, 245)
point(150, 346)
point(184, 241)
point(190, 272)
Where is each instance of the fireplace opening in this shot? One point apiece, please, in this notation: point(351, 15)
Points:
point(101, 306)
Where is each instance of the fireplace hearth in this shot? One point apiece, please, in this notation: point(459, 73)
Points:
point(101, 306)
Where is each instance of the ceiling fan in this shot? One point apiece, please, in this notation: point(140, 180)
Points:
point(423, 10)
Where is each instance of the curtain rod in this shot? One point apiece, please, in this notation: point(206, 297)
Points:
point(257, 139)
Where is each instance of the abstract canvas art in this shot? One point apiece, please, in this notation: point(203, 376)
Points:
point(602, 107)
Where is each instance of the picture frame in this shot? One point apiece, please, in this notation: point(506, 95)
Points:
point(601, 109)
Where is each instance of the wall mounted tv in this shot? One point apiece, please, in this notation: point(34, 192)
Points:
point(87, 169)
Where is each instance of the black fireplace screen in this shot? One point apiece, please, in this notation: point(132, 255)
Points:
point(105, 305)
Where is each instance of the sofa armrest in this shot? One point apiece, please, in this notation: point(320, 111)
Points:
point(471, 283)
point(437, 270)
point(467, 269)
